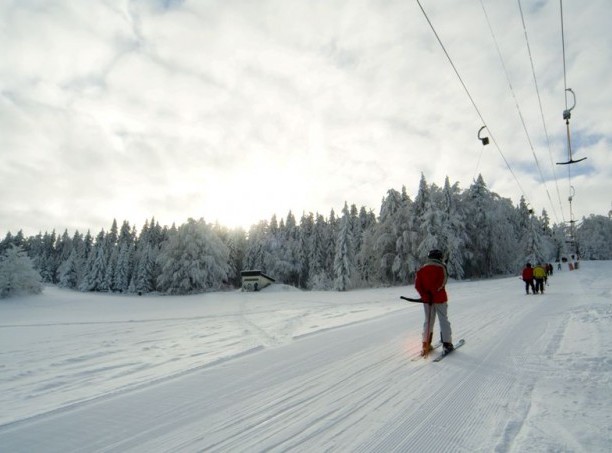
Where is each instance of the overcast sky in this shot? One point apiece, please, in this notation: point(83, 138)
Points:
point(234, 110)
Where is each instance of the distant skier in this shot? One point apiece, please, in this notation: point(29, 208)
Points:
point(430, 283)
point(528, 278)
point(539, 274)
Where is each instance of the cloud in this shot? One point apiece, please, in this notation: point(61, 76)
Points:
point(185, 109)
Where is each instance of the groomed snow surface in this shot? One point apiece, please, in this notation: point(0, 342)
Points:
point(287, 370)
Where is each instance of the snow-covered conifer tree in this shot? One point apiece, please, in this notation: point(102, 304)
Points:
point(6, 242)
point(193, 260)
point(531, 241)
point(288, 265)
point(405, 261)
point(126, 234)
point(17, 274)
point(317, 277)
point(428, 221)
point(594, 238)
point(93, 279)
point(367, 219)
point(111, 265)
point(80, 244)
point(478, 205)
point(68, 272)
point(236, 241)
point(344, 260)
point(506, 241)
point(538, 241)
point(331, 232)
point(453, 235)
point(365, 259)
point(305, 233)
point(386, 236)
point(255, 255)
point(143, 278)
point(63, 251)
point(122, 271)
point(45, 259)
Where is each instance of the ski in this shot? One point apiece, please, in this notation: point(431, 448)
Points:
point(444, 354)
point(412, 299)
point(419, 356)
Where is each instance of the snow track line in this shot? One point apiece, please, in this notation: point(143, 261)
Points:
point(118, 392)
point(127, 322)
point(305, 396)
point(175, 409)
point(438, 424)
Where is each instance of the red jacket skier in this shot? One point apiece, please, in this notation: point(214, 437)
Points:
point(528, 278)
point(431, 280)
point(430, 283)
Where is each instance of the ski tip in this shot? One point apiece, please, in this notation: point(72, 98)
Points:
point(457, 345)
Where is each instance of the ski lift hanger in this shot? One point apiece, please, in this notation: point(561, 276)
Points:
point(484, 140)
point(567, 114)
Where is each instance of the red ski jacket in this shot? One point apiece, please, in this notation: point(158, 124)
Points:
point(430, 282)
point(528, 273)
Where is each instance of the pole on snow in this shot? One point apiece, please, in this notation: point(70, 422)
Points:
point(412, 299)
point(429, 333)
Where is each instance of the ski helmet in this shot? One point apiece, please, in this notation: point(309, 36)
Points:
point(435, 254)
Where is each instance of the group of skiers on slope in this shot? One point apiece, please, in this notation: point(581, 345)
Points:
point(430, 283)
point(536, 277)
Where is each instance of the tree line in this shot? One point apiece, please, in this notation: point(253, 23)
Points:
point(481, 233)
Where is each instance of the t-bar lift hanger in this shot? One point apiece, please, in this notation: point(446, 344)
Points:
point(567, 114)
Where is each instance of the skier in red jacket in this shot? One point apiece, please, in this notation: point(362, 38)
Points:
point(528, 278)
point(430, 283)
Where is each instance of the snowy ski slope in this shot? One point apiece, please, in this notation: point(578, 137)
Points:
point(286, 370)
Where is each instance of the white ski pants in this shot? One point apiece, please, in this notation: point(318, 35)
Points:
point(441, 310)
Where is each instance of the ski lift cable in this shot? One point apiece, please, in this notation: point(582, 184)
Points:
point(518, 108)
point(535, 81)
point(563, 51)
point(471, 98)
